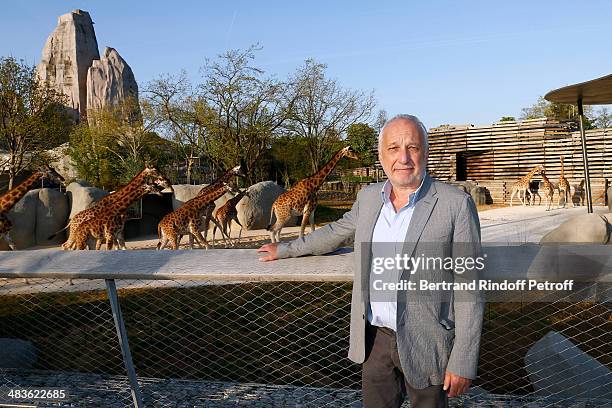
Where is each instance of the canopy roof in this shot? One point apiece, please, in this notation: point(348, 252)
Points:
point(594, 92)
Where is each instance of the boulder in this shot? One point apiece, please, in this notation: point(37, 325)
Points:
point(584, 228)
point(81, 196)
point(52, 212)
point(17, 353)
point(23, 217)
point(110, 80)
point(67, 55)
point(254, 210)
point(184, 193)
point(557, 367)
point(479, 195)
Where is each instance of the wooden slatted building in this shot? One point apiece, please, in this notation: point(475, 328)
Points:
point(499, 154)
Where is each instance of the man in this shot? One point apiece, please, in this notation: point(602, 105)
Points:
point(427, 349)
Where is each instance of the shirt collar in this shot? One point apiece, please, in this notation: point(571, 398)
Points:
point(414, 196)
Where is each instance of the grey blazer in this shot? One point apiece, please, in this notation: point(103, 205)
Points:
point(433, 335)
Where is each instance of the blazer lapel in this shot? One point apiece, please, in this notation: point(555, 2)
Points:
point(371, 215)
point(422, 211)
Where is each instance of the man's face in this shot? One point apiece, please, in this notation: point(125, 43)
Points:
point(402, 155)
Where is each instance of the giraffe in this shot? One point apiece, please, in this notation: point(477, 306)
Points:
point(188, 218)
point(549, 189)
point(302, 198)
point(115, 226)
point(10, 198)
point(207, 210)
point(94, 210)
point(228, 213)
point(105, 210)
point(564, 187)
point(522, 185)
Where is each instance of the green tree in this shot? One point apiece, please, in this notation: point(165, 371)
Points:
point(90, 156)
point(32, 118)
point(559, 111)
point(115, 145)
point(603, 118)
point(362, 138)
point(289, 160)
point(323, 110)
point(179, 115)
point(242, 110)
point(508, 119)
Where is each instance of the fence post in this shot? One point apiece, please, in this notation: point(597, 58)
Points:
point(111, 289)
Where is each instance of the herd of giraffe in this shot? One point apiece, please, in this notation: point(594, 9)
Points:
point(523, 186)
point(104, 220)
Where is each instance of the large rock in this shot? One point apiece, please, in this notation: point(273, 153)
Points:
point(184, 193)
point(52, 211)
point(82, 196)
point(66, 57)
point(23, 217)
point(254, 210)
point(17, 353)
point(479, 195)
point(61, 161)
point(557, 367)
point(110, 80)
point(584, 228)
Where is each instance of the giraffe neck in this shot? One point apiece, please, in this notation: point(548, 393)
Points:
point(123, 202)
point(203, 199)
point(236, 199)
point(319, 177)
point(562, 174)
point(8, 200)
point(530, 174)
point(129, 193)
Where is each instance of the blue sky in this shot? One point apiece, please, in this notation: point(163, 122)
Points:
point(447, 62)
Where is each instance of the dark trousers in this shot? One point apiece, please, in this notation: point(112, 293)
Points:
point(383, 382)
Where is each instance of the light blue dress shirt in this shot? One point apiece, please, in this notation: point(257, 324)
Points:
point(391, 227)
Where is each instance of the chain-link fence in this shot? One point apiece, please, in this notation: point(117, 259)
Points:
point(216, 343)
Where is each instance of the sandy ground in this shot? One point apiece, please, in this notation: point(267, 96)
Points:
point(516, 224)
point(520, 224)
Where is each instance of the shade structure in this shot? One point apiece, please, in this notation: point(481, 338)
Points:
point(594, 92)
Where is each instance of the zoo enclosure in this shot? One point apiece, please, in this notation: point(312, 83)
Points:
point(248, 332)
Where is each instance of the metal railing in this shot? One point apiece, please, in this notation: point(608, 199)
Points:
point(218, 329)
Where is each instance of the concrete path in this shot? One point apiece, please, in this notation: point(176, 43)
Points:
point(520, 224)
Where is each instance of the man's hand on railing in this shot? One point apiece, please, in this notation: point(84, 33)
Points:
point(271, 250)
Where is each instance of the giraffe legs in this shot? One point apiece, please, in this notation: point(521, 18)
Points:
point(223, 228)
point(312, 220)
point(514, 192)
point(235, 218)
point(194, 231)
point(308, 216)
point(275, 230)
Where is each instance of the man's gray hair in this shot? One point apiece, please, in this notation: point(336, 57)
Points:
point(411, 118)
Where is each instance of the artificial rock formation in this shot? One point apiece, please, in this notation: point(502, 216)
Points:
point(71, 64)
point(66, 57)
point(110, 80)
point(254, 210)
